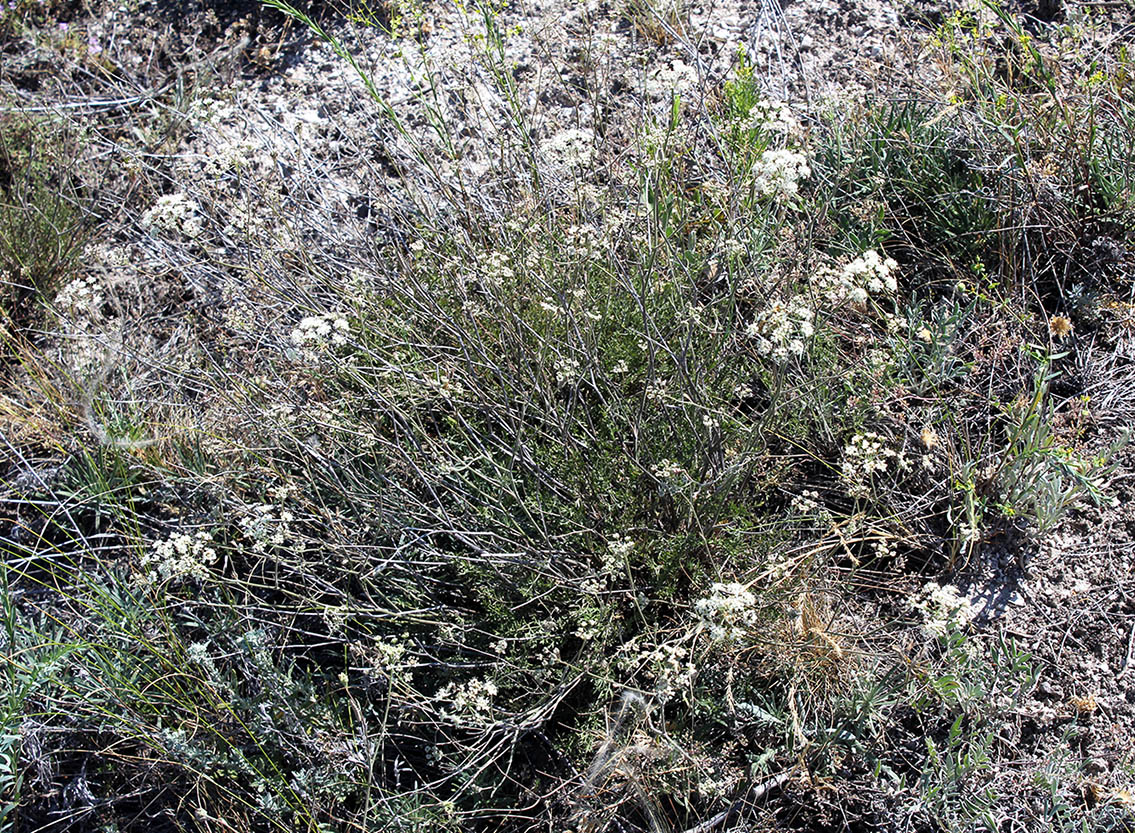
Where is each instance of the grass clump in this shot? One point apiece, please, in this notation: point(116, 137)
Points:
point(41, 219)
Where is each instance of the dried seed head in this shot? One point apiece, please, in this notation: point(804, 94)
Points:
point(1060, 326)
point(929, 438)
point(1083, 705)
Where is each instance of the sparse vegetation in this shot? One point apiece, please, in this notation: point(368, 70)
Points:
point(549, 476)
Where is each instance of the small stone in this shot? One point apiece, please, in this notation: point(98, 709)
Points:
point(1048, 690)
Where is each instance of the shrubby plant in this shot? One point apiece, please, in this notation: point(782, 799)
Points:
point(565, 504)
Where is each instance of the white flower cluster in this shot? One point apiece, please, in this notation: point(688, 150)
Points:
point(717, 192)
point(335, 616)
point(781, 329)
point(943, 609)
point(470, 701)
point(174, 213)
point(716, 787)
point(807, 503)
point(569, 149)
point(675, 77)
point(240, 316)
point(570, 300)
point(389, 652)
point(316, 334)
point(774, 117)
point(667, 470)
point(619, 549)
point(235, 153)
point(778, 173)
point(879, 360)
point(592, 199)
point(896, 324)
point(728, 612)
point(495, 267)
point(883, 549)
point(208, 109)
point(266, 526)
point(670, 666)
point(657, 391)
point(447, 387)
point(81, 297)
point(567, 371)
point(79, 307)
point(179, 556)
point(387, 659)
point(867, 275)
point(864, 456)
point(582, 241)
point(198, 654)
point(591, 623)
point(224, 144)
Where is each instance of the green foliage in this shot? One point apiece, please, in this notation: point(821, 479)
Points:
point(1041, 479)
point(926, 177)
point(41, 219)
point(975, 683)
